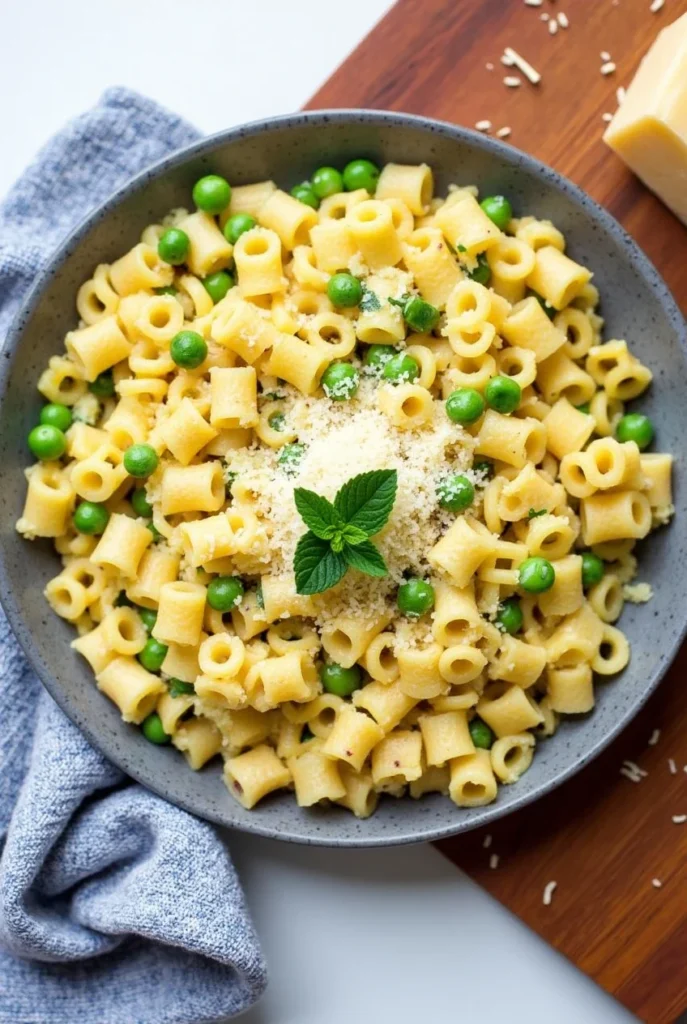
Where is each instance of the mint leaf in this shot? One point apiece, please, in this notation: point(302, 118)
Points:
point(533, 513)
point(353, 534)
point(318, 514)
point(337, 542)
point(178, 688)
point(366, 558)
point(369, 302)
point(366, 500)
point(316, 566)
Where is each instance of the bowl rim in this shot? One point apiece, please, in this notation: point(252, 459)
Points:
point(206, 145)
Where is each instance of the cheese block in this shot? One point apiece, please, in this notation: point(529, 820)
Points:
point(649, 131)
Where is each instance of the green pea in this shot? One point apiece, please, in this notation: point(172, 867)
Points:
point(340, 381)
point(401, 369)
point(360, 174)
point(420, 315)
point(140, 460)
point(344, 290)
point(536, 575)
point(377, 356)
point(56, 415)
point(188, 349)
point(218, 284)
point(225, 593)
point(140, 504)
point(546, 306)
point(484, 468)
point(498, 210)
point(47, 442)
point(480, 733)
point(152, 729)
point(503, 394)
point(173, 246)
point(326, 181)
point(464, 405)
point(339, 680)
point(212, 193)
point(593, 569)
point(509, 616)
point(237, 225)
point(90, 517)
point(289, 457)
point(152, 655)
point(585, 407)
point(482, 272)
point(637, 427)
point(456, 493)
point(415, 597)
point(277, 421)
point(148, 617)
point(103, 385)
point(304, 194)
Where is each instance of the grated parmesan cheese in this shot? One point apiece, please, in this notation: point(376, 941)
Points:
point(341, 440)
point(494, 861)
point(487, 841)
point(549, 890)
point(655, 737)
point(679, 819)
point(656, 882)
point(672, 767)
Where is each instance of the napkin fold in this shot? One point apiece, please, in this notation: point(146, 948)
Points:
point(115, 906)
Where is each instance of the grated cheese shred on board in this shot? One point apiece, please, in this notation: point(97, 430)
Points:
point(549, 890)
point(341, 440)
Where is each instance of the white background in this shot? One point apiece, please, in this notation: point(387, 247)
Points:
point(351, 936)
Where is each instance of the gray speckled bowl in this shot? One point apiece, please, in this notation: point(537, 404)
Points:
point(636, 305)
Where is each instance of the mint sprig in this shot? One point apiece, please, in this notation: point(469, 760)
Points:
point(339, 531)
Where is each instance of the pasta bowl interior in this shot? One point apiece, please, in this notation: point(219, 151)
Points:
point(353, 481)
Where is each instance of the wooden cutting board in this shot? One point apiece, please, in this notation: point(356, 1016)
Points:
point(602, 838)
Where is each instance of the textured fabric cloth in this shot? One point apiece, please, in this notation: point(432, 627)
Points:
point(115, 907)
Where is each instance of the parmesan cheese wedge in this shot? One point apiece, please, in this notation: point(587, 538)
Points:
point(649, 130)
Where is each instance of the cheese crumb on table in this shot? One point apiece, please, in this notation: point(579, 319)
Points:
point(637, 593)
point(549, 890)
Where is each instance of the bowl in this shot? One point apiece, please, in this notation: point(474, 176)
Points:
point(636, 305)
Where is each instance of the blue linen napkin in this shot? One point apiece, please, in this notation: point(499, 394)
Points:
point(115, 906)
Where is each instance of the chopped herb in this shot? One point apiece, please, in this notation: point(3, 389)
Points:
point(259, 599)
point(534, 513)
point(370, 302)
point(460, 248)
point(482, 272)
point(178, 688)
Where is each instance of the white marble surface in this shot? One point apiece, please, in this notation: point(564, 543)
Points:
point(388, 935)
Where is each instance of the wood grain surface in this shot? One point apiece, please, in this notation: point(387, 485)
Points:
point(602, 838)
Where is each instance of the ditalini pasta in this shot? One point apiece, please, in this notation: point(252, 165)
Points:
point(343, 486)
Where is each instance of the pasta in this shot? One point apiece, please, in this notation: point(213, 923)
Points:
point(234, 384)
